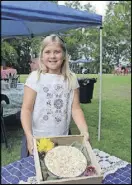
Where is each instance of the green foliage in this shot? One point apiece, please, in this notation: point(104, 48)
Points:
point(78, 43)
point(73, 43)
point(117, 32)
point(116, 36)
point(73, 37)
point(8, 54)
point(22, 47)
point(88, 7)
point(35, 45)
point(55, 2)
point(74, 4)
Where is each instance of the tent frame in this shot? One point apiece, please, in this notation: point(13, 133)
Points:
point(100, 87)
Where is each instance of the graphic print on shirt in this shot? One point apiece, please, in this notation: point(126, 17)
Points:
point(58, 103)
point(56, 98)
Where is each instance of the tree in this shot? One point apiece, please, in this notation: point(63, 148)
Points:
point(74, 4)
point(73, 37)
point(90, 43)
point(55, 2)
point(35, 46)
point(83, 43)
point(117, 32)
point(88, 7)
point(22, 47)
point(8, 54)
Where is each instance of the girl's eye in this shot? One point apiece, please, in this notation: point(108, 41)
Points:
point(57, 51)
point(47, 51)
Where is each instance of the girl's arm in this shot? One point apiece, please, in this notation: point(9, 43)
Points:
point(78, 116)
point(26, 115)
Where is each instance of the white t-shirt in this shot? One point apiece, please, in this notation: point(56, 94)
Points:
point(52, 109)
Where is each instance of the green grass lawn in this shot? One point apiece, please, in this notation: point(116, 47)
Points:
point(115, 122)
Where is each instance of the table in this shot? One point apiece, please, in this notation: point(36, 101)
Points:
point(15, 96)
point(115, 170)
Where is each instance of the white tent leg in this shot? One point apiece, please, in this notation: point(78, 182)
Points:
point(100, 89)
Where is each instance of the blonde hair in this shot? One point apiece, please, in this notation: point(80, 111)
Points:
point(65, 70)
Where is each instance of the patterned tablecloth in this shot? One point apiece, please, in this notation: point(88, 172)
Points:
point(115, 170)
point(15, 96)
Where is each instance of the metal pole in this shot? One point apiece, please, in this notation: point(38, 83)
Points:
point(100, 89)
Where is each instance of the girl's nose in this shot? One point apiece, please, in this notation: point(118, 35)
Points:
point(52, 55)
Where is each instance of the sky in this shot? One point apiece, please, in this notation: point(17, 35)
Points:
point(100, 6)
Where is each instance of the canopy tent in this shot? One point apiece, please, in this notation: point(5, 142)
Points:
point(81, 60)
point(38, 17)
point(34, 18)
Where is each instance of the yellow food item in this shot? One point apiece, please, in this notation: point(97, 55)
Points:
point(44, 145)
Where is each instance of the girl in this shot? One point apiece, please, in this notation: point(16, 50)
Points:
point(51, 95)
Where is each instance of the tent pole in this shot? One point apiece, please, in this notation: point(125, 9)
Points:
point(100, 89)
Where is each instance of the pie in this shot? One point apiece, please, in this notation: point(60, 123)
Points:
point(65, 161)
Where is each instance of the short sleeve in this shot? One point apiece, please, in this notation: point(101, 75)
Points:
point(75, 82)
point(32, 81)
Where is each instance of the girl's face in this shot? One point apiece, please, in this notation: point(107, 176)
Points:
point(53, 57)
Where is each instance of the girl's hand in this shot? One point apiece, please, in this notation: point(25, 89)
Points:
point(30, 144)
point(86, 136)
